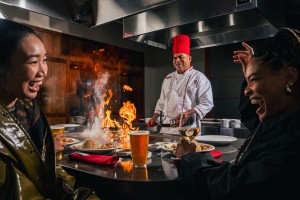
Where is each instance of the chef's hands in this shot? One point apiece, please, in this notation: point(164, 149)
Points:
point(183, 148)
point(184, 117)
point(153, 120)
point(60, 141)
point(243, 56)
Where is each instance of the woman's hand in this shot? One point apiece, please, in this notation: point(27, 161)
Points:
point(59, 142)
point(183, 148)
point(243, 56)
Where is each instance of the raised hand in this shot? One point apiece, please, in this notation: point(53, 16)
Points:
point(243, 56)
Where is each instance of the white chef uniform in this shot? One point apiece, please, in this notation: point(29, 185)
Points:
point(182, 92)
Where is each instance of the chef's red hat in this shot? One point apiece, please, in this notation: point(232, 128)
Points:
point(181, 44)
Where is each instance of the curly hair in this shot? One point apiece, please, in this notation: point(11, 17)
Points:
point(282, 50)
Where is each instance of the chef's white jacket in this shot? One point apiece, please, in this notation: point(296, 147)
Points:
point(182, 92)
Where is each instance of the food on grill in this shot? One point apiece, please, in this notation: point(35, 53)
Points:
point(106, 146)
point(90, 144)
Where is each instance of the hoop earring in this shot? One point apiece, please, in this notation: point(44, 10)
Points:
point(288, 90)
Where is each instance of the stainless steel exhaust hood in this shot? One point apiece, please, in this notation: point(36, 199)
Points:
point(155, 22)
point(89, 13)
point(207, 22)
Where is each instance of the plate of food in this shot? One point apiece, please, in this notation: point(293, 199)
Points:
point(169, 146)
point(156, 146)
point(93, 146)
point(70, 141)
point(200, 147)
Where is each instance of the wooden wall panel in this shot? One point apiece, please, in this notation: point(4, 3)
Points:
point(54, 90)
point(74, 60)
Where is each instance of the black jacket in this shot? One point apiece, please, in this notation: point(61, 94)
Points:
point(269, 167)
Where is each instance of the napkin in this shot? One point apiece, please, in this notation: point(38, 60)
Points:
point(96, 159)
point(216, 154)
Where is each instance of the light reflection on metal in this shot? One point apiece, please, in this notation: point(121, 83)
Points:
point(23, 3)
point(89, 13)
point(200, 26)
point(207, 22)
point(2, 16)
point(231, 20)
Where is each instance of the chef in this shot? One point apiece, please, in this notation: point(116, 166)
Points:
point(186, 94)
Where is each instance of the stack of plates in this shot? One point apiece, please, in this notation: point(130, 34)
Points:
point(211, 121)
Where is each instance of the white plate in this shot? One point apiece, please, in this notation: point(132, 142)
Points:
point(210, 119)
point(169, 147)
point(156, 146)
point(215, 139)
point(71, 141)
point(127, 152)
point(123, 152)
point(209, 122)
point(69, 125)
point(96, 151)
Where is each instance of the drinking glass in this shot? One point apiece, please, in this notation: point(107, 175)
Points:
point(187, 131)
point(139, 141)
point(139, 174)
point(57, 129)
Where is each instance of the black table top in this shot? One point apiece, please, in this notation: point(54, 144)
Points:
point(158, 181)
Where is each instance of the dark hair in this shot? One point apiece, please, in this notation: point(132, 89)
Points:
point(11, 33)
point(282, 50)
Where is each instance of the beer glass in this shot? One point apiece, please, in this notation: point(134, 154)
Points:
point(57, 129)
point(139, 174)
point(139, 141)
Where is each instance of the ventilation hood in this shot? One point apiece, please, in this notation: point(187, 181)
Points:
point(155, 22)
point(207, 22)
point(89, 13)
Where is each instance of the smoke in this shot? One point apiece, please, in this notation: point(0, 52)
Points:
point(96, 116)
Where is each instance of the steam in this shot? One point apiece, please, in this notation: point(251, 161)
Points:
point(96, 116)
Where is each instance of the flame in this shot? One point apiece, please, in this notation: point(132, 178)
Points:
point(128, 88)
point(126, 165)
point(127, 113)
point(109, 123)
point(99, 109)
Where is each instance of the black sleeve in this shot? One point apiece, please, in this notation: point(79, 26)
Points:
point(190, 173)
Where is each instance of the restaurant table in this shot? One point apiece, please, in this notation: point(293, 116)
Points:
point(158, 181)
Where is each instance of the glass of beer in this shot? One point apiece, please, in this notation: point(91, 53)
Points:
point(139, 141)
point(57, 129)
point(139, 174)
